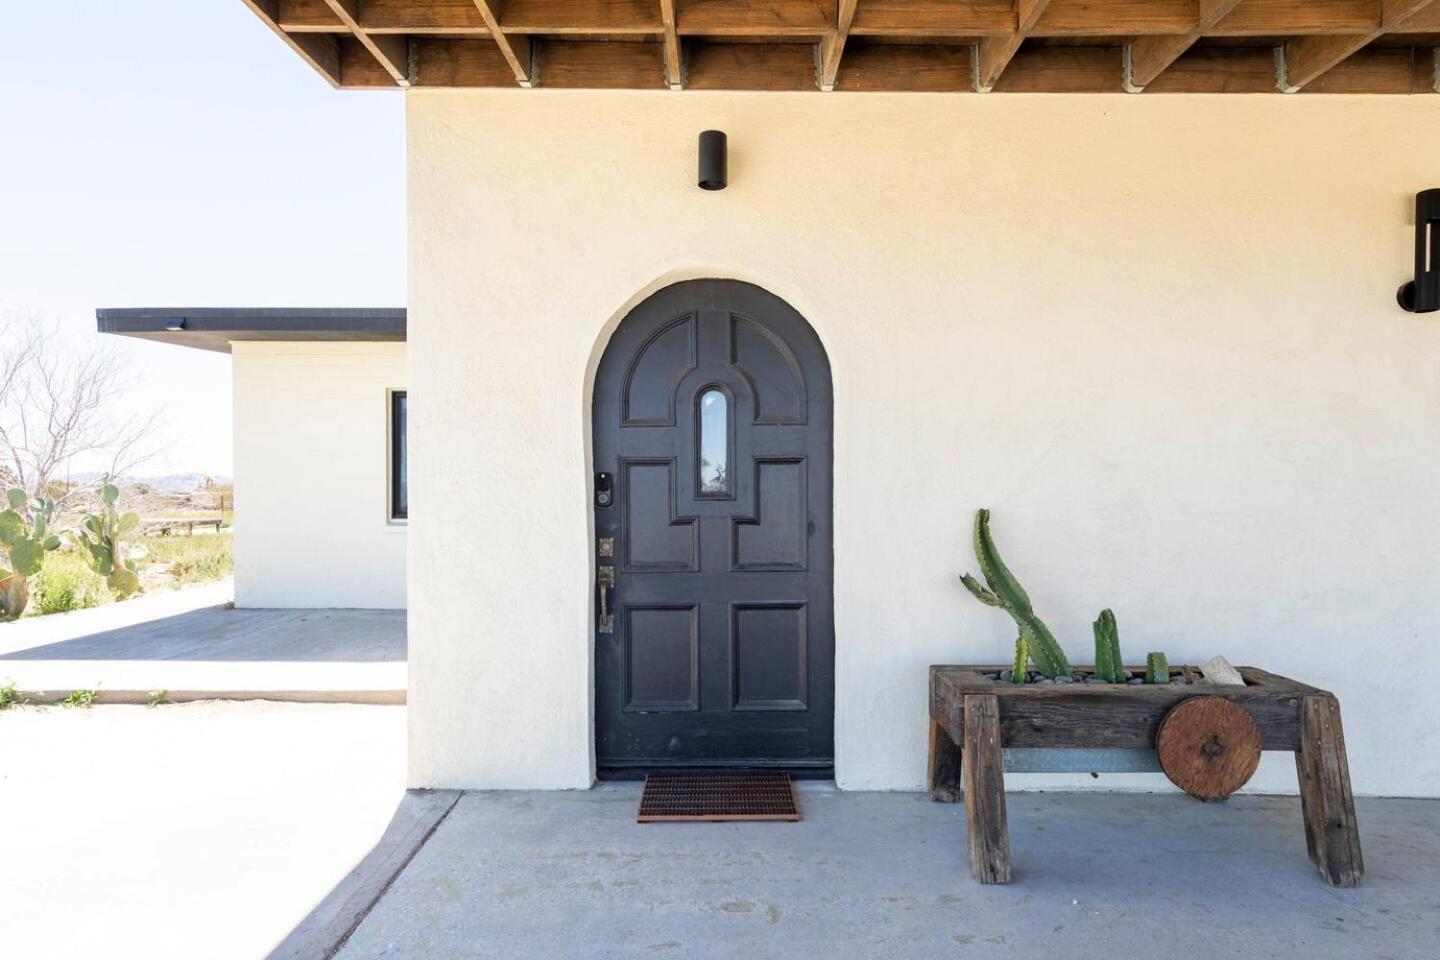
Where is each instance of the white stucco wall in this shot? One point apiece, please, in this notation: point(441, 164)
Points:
point(1155, 334)
point(311, 484)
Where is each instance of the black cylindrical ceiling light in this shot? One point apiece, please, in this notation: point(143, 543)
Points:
point(712, 160)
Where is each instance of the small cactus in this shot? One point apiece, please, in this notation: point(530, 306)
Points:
point(1022, 656)
point(1004, 591)
point(102, 539)
point(1109, 666)
point(24, 544)
point(1157, 668)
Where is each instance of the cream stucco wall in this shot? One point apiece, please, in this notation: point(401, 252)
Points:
point(311, 481)
point(1156, 335)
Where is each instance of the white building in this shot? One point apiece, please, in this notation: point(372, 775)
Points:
point(1156, 334)
point(319, 407)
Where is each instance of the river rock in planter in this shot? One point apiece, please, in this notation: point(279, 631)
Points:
point(1217, 670)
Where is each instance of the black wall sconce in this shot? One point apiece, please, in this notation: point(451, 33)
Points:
point(1422, 295)
point(713, 175)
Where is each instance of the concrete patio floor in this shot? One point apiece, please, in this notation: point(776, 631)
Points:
point(865, 875)
point(195, 645)
point(202, 830)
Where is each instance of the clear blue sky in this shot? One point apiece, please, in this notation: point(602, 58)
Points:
point(176, 153)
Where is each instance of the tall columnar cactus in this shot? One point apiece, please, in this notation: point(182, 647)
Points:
point(1022, 656)
point(102, 538)
point(1157, 668)
point(1004, 591)
point(25, 544)
point(1109, 665)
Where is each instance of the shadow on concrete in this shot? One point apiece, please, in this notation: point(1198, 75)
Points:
point(531, 875)
point(324, 930)
point(232, 635)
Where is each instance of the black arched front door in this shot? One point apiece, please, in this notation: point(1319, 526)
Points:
point(714, 642)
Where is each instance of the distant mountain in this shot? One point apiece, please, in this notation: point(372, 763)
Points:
point(169, 483)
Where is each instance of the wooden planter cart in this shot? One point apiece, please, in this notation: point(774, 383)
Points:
point(1209, 746)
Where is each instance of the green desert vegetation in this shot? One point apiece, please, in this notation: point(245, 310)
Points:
point(67, 583)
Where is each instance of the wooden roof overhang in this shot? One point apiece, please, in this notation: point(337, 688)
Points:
point(1020, 46)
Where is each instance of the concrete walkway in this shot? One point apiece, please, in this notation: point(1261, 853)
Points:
point(195, 645)
point(865, 876)
point(204, 830)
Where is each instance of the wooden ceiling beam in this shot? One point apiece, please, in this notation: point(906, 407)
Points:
point(993, 54)
point(918, 19)
point(321, 51)
point(751, 66)
point(460, 63)
point(580, 64)
point(1088, 18)
point(1111, 18)
point(471, 63)
point(1320, 46)
point(515, 48)
point(674, 69)
point(928, 68)
point(929, 18)
point(1288, 18)
point(392, 51)
point(300, 16)
point(805, 19)
point(1147, 57)
point(577, 17)
point(1424, 20)
point(1305, 59)
point(832, 46)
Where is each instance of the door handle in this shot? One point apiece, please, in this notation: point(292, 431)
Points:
point(604, 586)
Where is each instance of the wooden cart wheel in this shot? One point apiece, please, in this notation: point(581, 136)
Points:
point(1208, 746)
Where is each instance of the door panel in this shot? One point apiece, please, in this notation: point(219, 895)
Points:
point(662, 658)
point(769, 655)
point(714, 624)
point(653, 538)
point(776, 538)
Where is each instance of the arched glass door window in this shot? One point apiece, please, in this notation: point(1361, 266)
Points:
point(714, 422)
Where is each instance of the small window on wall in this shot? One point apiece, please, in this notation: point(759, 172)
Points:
point(399, 458)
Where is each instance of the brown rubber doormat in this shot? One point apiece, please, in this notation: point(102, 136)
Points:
point(717, 796)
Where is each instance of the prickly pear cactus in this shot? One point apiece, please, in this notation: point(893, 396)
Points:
point(1157, 668)
point(102, 539)
point(1002, 590)
point(24, 541)
point(1109, 665)
point(1022, 656)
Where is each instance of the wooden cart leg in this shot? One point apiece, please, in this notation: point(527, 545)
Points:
point(944, 766)
point(985, 791)
point(1331, 833)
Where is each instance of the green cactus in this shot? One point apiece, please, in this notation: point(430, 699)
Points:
point(1109, 665)
point(1022, 656)
point(1004, 591)
point(102, 539)
point(24, 544)
point(1157, 668)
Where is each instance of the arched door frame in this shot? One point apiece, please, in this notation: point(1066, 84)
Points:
point(790, 331)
